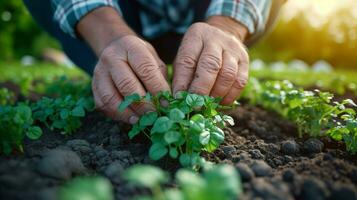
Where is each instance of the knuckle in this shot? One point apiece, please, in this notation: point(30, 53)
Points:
point(211, 63)
point(186, 61)
point(241, 82)
point(126, 85)
point(228, 75)
point(146, 70)
point(107, 54)
point(196, 27)
point(109, 100)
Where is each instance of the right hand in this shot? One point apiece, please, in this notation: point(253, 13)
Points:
point(127, 65)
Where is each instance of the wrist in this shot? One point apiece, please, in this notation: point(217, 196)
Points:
point(229, 25)
point(102, 26)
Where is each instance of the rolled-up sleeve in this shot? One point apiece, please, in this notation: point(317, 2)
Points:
point(253, 14)
point(67, 13)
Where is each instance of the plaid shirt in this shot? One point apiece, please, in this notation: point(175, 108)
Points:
point(160, 16)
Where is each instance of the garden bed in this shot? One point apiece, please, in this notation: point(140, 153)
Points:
point(273, 162)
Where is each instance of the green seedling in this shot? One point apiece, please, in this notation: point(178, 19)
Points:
point(190, 124)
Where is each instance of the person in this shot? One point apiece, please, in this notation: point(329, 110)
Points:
point(125, 44)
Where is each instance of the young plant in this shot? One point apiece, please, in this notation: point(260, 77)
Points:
point(62, 113)
point(217, 182)
point(190, 124)
point(15, 124)
point(312, 111)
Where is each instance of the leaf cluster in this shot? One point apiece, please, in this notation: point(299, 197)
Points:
point(16, 122)
point(314, 112)
point(62, 113)
point(216, 182)
point(188, 125)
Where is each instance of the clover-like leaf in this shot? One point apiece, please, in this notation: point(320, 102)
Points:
point(161, 125)
point(157, 151)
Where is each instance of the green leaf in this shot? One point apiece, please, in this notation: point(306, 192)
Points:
point(172, 137)
point(173, 194)
point(197, 118)
point(90, 188)
point(128, 100)
point(223, 182)
point(176, 115)
point(185, 160)
point(146, 176)
point(157, 151)
point(64, 113)
point(161, 125)
point(135, 130)
point(148, 119)
point(204, 137)
point(78, 111)
point(196, 127)
point(34, 132)
point(195, 100)
point(173, 152)
point(228, 119)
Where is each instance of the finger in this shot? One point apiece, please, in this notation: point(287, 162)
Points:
point(98, 102)
point(239, 83)
point(147, 70)
point(109, 99)
point(226, 75)
point(208, 66)
point(162, 65)
point(127, 83)
point(185, 62)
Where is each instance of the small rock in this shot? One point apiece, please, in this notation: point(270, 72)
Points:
point(314, 189)
point(313, 145)
point(288, 158)
point(113, 171)
point(289, 147)
point(79, 145)
point(289, 175)
point(120, 154)
point(229, 150)
point(256, 154)
point(328, 156)
point(265, 190)
point(60, 164)
point(345, 192)
point(100, 152)
point(245, 172)
point(261, 168)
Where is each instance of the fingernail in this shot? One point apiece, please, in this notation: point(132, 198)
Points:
point(133, 119)
point(164, 103)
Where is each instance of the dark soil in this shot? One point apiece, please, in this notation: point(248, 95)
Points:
point(272, 161)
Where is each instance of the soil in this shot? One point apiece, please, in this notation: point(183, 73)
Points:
point(273, 162)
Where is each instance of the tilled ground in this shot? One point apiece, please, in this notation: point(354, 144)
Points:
point(272, 161)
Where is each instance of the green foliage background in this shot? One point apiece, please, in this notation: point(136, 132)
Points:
point(20, 35)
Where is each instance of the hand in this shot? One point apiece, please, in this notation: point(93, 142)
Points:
point(126, 66)
point(212, 60)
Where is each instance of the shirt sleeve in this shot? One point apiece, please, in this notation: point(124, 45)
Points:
point(67, 13)
point(253, 14)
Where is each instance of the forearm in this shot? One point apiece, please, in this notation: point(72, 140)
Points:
point(102, 26)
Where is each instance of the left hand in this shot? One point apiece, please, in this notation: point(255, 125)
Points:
point(212, 60)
